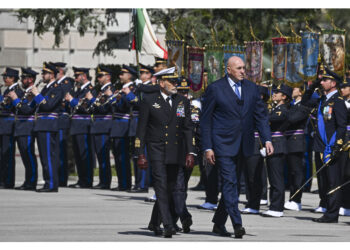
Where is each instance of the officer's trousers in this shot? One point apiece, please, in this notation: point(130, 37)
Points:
point(254, 168)
point(26, 146)
point(275, 173)
point(121, 153)
point(7, 161)
point(63, 167)
point(102, 149)
point(296, 173)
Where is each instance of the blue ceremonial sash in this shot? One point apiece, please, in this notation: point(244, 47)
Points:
point(322, 130)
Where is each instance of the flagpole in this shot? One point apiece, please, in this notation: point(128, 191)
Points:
point(136, 44)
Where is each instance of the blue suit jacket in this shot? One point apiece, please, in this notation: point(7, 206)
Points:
point(227, 124)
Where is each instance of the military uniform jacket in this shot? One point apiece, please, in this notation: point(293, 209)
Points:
point(80, 117)
point(347, 134)
point(167, 126)
point(67, 85)
point(123, 116)
point(297, 118)
point(101, 114)
point(277, 117)
point(47, 105)
point(25, 116)
point(334, 116)
point(7, 112)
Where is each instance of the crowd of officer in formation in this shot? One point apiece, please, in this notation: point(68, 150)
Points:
point(67, 113)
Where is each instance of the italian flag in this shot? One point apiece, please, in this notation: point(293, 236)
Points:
point(145, 39)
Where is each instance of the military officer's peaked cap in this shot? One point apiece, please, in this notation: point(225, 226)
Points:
point(10, 72)
point(329, 74)
point(147, 69)
point(285, 90)
point(28, 72)
point(101, 71)
point(59, 64)
point(79, 71)
point(184, 84)
point(159, 60)
point(48, 67)
point(169, 74)
point(128, 69)
point(346, 83)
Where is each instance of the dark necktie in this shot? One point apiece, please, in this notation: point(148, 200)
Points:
point(168, 100)
point(237, 85)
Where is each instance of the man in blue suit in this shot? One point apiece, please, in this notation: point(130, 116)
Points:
point(232, 110)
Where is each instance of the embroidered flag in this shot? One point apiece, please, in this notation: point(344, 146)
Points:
point(176, 55)
point(233, 50)
point(214, 62)
point(293, 65)
point(310, 50)
point(254, 60)
point(195, 67)
point(278, 58)
point(333, 50)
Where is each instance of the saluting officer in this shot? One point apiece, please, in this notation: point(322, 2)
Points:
point(275, 171)
point(101, 125)
point(329, 137)
point(7, 125)
point(67, 85)
point(47, 104)
point(120, 130)
point(24, 129)
point(164, 122)
point(80, 128)
point(296, 147)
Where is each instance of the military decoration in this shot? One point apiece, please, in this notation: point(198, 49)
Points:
point(180, 110)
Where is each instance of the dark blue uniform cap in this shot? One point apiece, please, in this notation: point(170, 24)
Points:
point(184, 84)
point(101, 71)
point(345, 84)
point(10, 72)
point(59, 64)
point(329, 74)
point(159, 60)
point(147, 69)
point(288, 91)
point(79, 71)
point(128, 69)
point(28, 72)
point(48, 67)
point(263, 90)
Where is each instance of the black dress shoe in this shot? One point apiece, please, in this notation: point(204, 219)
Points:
point(138, 190)
point(156, 229)
point(47, 190)
point(99, 186)
point(177, 228)
point(6, 187)
point(62, 185)
point(120, 189)
point(221, 230)
point(26, 187)
point(324, 219)
point(78, 185)
point(168, 231)
point(239, 231)
point(186, 223)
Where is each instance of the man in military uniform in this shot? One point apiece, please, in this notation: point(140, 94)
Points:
point(47, 104)
point(345, 205)
point(165, 117)
point(275, 171)
point(159, 64)
point(120, 130)
point(296, 147)
point(330, 134)
point(80, 128)
point(7, 125)
point(24, 129)
point(101, 125)
point(67, 85)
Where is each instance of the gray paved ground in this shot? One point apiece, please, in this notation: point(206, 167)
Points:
point(103, 215)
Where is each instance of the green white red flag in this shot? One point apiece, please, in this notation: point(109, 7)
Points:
point(145, 39)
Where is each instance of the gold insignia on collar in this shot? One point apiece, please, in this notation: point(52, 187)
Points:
point(340, 142)
point(279, 113)
point(137, 143)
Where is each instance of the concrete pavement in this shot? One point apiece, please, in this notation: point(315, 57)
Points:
point(104, 215)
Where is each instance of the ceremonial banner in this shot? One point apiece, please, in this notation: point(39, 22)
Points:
point(254, 60)
point(293, 70)
point(278, 58)
point(233, 50)
point(310, 50)
point(176, 55)
point(333, 50)
point(214, 62)
point(195, 67)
